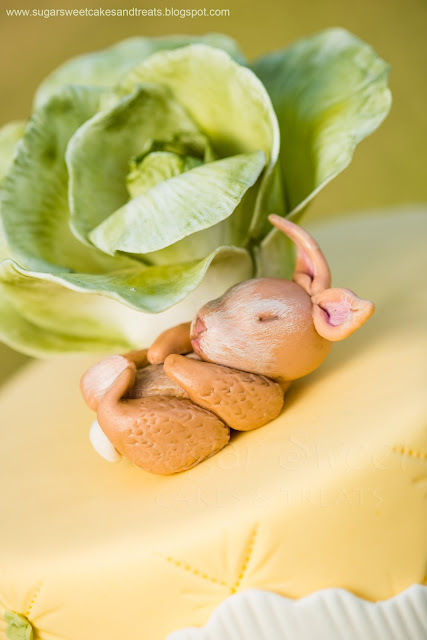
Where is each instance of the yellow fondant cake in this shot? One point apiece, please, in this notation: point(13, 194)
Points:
point(330, 494)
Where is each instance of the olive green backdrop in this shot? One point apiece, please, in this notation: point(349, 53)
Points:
point(389, 168)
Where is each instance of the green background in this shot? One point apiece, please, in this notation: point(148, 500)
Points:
point(389, 168)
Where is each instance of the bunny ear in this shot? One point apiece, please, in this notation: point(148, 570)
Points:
point(337, 313)
point(311, 269)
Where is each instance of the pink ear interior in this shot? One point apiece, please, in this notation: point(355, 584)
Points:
point(337, 313)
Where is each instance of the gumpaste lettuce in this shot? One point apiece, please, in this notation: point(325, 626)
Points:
point(141, 184)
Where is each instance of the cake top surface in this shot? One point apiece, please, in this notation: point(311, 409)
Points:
point(332, 493)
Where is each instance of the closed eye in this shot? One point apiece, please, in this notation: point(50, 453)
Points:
point(267, 318)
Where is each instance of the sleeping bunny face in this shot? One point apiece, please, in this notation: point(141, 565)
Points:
point(280, 328)
point(264, 326)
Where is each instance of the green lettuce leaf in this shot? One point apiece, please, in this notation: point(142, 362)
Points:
point(34, 194)
point(155, 168)
point(164, 159)
point(9, 136)
point(274, 256)
point(179, 207)
point(183, 144)
point(56, 332)
point(52, 313)
point(106, 68)
point(229, 105)
point(99, 153)
point(329, 92)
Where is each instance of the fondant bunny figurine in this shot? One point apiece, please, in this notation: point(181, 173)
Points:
point(171, 407)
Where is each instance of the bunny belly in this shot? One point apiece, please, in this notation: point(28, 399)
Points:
point(152, 380)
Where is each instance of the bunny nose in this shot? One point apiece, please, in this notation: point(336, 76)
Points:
point(199, 326)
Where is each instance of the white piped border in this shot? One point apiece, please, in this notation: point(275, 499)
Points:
point(331, 614)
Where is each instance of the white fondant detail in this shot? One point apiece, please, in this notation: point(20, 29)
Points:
point(101, 443)
point(331, 614)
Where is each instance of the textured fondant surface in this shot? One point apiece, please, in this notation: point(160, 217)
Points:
point(330, 494)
